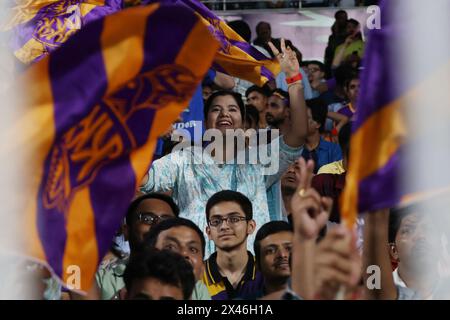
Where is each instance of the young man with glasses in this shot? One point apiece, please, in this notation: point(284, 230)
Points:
point(143, 213)
point(316, 77)
point(230, 272)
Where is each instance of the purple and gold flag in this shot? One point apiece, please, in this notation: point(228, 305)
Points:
point(372, 180)
point(236, 57)
point(399, 114)
point(92, 114)
point(40, 26)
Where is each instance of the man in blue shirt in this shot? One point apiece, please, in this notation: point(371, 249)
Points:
point(316, 148)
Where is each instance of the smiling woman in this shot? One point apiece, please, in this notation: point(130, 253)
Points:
point(193, 178)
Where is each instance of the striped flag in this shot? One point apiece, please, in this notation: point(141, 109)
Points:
point(372, 180)
point(402, 111)
point(236, 57)
point(89, 121)
point(40, 26)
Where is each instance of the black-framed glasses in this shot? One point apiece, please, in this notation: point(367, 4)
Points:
point(217, 222)
point(151, 218)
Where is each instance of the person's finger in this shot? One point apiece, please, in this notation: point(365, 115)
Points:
point(309, 173)
point(274, 49)
point(327, 203)
point(302, 177)
point(322, 219)
point(335, 261)
point(333, 234)
point(309, 204)
point(311, 192)
point(329, 275)
point(356, 261)
point(329, 290)
point(338, 230)
point(338, 245)
point(283, 45)
point(297, 171)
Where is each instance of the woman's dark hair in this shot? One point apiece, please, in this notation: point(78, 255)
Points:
point(237, 97)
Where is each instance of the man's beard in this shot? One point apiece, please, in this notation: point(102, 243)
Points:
point(274, 122)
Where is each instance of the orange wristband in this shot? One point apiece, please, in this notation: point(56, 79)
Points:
point(294, 78)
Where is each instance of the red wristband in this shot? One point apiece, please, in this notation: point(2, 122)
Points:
point(334, 132)
point(293, 79)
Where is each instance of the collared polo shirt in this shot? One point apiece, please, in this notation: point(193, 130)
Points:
point(221, 289)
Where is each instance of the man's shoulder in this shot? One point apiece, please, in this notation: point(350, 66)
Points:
point(327, 144)
point(115, 265)
point(326, 180)
point(335, 167)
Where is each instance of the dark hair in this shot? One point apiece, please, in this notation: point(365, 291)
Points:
point(151, 238)
point(230, 196)
point(131, 212)
point(220, 93)
point(304, 63)
point(353, 22)
point(266, 230)
point(319, 111)
point(261, 23)
point(166, 266)
point(283, 93)
point(339, 12)
point(317, 63)
point(344, 138)
point(253, 88)
point(241, 28)
point(396, 215)
point(251, 114)
point(352, 76)
point(342, 73)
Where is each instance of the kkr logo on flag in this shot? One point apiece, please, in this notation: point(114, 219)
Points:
point(92, 113)
point(216, 29)
point(104, 135)
point(39, 27)
point(59, 22)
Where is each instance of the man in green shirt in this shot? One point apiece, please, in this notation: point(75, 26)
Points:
point(143, 214)
point(353, 45)
point(185, 238)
